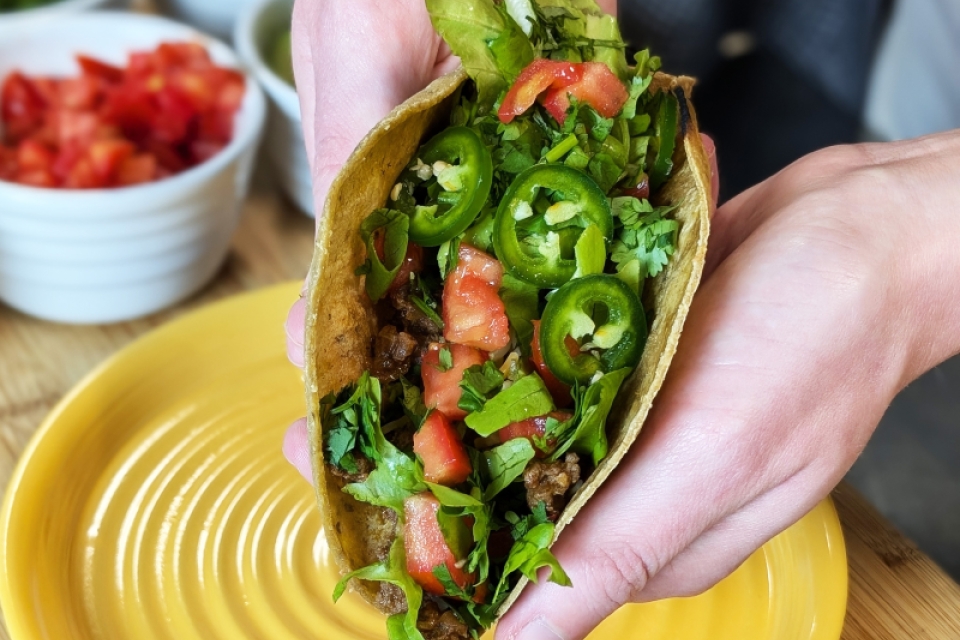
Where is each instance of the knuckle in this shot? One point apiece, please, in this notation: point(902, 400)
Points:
point(621, 572)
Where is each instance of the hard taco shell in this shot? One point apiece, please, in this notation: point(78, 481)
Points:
point(340, 323)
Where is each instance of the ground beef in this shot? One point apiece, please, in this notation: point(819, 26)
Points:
point(437, 625)
point(344, 477)
point(415, 322)
point(393, 353)
point(390, 598)
point(549, 482)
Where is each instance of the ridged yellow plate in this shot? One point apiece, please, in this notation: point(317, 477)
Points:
point(154, 503)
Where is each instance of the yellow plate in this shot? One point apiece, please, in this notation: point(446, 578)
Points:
point(154, 503)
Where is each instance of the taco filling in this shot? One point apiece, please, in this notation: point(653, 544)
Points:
point(507, 273)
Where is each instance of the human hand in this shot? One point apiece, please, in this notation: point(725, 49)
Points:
point(828, 288)
point(354, 61)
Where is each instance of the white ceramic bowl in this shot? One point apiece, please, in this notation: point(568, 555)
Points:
point(257, 29)
point(18, 21)
point(216, 17)
point(105, 255)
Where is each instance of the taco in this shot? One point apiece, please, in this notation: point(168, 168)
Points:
point(501, 275)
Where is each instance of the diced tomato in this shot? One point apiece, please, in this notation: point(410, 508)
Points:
point(599, 87)
point(78, 93)
point(98, 69)
point(82, 175)
point(106, 156)
point(33, 156)
point(441, 389)
point(233, 87)
point(473, 313)
point(76, 127)
point(36, 178)
point(425, 546)
point(21, 107)
point(137, 169)
point(445, 460)
point(168, 110)
point(532, 429)
point(8, 163)
point(642, 190)
point(536, 77)
point(559, 390)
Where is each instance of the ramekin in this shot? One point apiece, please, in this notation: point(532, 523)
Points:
point(106, 255)
point(257, 29)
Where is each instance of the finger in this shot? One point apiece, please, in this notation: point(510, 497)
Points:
point(294, 328)
point(710, 450)
point(296, 448)
point(711, 150)
point(355, 61)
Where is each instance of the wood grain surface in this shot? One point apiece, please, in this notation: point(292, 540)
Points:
point(896, 592)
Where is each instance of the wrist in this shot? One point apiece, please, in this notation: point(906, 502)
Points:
point(926, 258)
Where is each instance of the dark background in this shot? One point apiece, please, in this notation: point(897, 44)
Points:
point(766, 105)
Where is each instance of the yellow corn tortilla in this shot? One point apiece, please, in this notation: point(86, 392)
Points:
point(340, 323)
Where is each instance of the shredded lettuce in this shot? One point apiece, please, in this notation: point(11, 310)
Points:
point(491, 45)
point(589, 437)
point(505, 464)
point(401, 626)
point(526, 398)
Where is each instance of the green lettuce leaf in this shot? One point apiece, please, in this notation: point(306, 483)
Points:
point(526, 398)
point(458, 505)
point(529, 554)
point(479, 384)
point(401, 626)
point(522, 304)
point(505, 464)
point(589, 437)
point(491, 45)
point(380, 274)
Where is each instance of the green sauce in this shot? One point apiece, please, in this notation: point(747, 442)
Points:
point(279, 57)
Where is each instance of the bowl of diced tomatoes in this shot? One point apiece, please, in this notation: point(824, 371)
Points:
point(126, 147)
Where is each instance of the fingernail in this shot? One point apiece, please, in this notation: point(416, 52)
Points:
point(538, 629)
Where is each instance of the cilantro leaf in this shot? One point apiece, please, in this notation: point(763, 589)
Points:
point(479, 384)
point(520, 526)
point(448, 256)
point(396, 475)
point(645, 243)
point(460, 505)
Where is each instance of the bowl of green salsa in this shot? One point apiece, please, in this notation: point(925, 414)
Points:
point(262, 38)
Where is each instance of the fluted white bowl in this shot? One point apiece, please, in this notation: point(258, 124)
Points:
point(106, 255)
point(256, 31)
